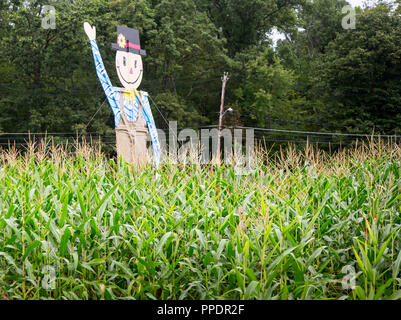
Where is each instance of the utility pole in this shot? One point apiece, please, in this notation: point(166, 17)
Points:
point(224, 79)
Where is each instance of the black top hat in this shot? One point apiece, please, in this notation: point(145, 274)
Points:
point(128, 40)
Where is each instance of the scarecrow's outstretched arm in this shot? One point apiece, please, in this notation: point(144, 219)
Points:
point(104, 79)
point(105, 82)
point(147, 114)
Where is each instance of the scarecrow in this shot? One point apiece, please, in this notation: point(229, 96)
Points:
point(130, 107)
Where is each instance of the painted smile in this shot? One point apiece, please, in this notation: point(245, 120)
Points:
point(126, 80)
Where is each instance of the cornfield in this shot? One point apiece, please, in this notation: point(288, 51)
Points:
point(301, 225)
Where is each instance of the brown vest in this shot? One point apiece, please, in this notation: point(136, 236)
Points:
point(131, 137)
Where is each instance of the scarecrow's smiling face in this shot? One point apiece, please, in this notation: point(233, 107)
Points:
point(129, 69)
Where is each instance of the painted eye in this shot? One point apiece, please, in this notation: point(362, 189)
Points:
point(135, 64)
point(124, 61)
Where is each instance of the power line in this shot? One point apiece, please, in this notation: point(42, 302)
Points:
point(303, 141)
point(208, 127)
point(95, 114)
point(47, 133)
point(319, 133)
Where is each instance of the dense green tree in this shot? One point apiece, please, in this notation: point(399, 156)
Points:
point(49, 87)
point(318, 23)
point(248, 23)
point(268, 94)
point(186, 49)
point(183, 46)
point(321, 77)
point(360, 74)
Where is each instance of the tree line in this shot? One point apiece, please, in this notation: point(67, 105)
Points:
point(321, 77)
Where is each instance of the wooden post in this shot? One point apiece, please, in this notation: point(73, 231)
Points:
point(224, 79)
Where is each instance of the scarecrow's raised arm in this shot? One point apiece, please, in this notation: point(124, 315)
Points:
point(101, 71)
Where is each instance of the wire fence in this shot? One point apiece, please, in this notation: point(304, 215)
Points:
point(265, 135)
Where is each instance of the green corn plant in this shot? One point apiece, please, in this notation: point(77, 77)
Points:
point(81, 226)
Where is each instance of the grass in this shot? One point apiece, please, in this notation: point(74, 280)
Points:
point(81, 226)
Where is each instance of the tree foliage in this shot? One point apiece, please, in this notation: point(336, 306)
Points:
point(360, 74)
point(320, 77)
